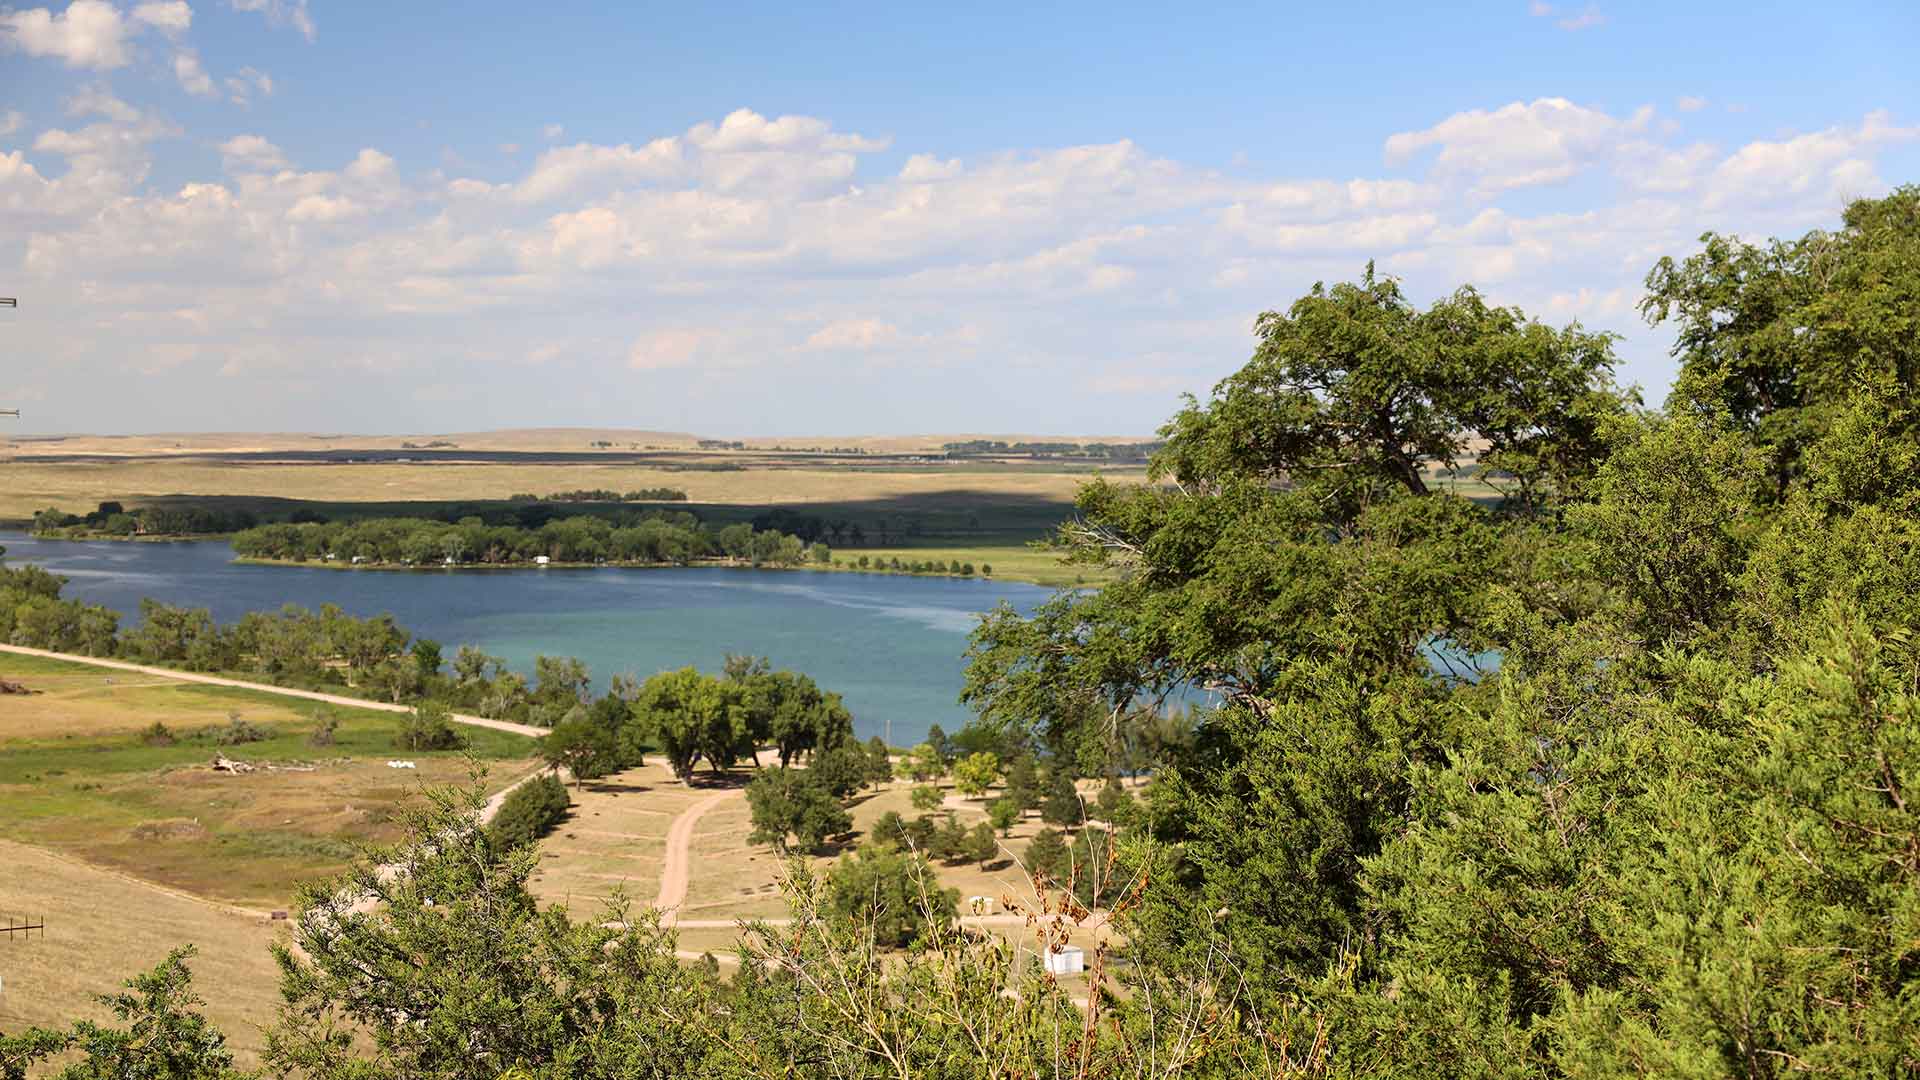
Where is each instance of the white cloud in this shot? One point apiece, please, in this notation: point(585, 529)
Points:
point(193, 78)
point(853, 335)
point(752, 243)
point(553, 131)
point(251, 153)
point(172, 17)
point(11, 121)
point(282, 13)
point(1518, 145)
point(1690, 103)
point(243, 85)
point(88, 34)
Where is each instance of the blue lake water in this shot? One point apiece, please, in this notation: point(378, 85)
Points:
point(890, 645)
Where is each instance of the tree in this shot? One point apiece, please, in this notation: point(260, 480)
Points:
point(428, 727)
point(1352, 391)
point(1114, 806)
point(842, 770)
point(1047, 855)
point(579, 745)
point(894, 894)
point(1022, 782)
point(529, 812)
point(937, 739)
point(925, 797)
point(689, 715)
point(879, 762)
point(981, 846)
point(1062, 806)
point(975, 773)
point(924, 763)
point(1003, 813)
point(950, 844)
point(792, 802)
point(1779, 338)
point(561, 683)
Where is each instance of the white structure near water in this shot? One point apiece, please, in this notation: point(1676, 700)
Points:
point(1069, 960)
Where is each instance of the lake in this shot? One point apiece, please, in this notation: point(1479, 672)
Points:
point(891, 645)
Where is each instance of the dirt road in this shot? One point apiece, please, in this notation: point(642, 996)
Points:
point(265, 688)
point(676, 870)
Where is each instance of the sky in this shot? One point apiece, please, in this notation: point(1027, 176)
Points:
point(764, 220)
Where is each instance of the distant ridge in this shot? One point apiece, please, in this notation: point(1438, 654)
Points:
point(549, 439)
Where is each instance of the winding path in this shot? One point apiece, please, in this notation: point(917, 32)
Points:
point(676, 869)
point(268, 688)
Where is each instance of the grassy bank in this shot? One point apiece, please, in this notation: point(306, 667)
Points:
point(79, 775)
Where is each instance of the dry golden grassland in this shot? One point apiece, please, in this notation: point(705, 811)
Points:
point(103, 927)
point(77, 487)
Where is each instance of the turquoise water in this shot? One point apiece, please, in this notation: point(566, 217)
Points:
point(891, 645)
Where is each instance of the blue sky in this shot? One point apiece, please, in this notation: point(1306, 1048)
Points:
point(785, 220)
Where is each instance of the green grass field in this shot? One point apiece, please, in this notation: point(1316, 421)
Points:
point(77, 776)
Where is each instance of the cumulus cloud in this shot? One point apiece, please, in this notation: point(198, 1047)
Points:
point(780, 244)
point(88, 34)
point(193, 78)
point(1520, 144)
point(251, 153)
point(246, 84)
point(169, 16)
point(282, 13)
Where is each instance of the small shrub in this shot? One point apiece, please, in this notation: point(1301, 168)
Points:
point(157, 734)
point(926, 797)
point(529, 812)
point(428, 727)
point(239, 731)
point(324, 728)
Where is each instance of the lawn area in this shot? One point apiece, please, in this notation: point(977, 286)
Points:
point(1010, 562)
point(78, 777)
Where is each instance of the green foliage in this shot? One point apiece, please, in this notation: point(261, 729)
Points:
point(975, 773)
point(1062, 805)
point(157, 734)
point(892, 894)
point(925, 797)
point(1779, 338)
point(794, 802)
point(842, 770)
point(529, 812)
point(1047, 855)
point(981, 845)
point(1003, 813)
point(1352, 393)
point(429, 726)
point(454, 971)
point(240, 731)
point(923, 762)
point(879, 762)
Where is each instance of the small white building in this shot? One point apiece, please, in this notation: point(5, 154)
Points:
point(1068, 960)
point(541, 560)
